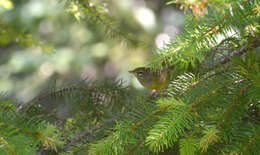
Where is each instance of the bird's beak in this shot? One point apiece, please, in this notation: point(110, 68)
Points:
point(131, 72)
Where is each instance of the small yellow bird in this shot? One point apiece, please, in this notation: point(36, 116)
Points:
point(150, 79)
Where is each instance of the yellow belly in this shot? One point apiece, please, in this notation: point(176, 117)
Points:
point(156, 84)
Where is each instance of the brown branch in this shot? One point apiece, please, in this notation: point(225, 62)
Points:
point(238, 52)
point(230, 107)
point(210, 31)
point(199, 100)
point(199, 81)
point(155, 113)
point(224, 60)
point(135, 147)
point(190, 109)
point(251, 142)
point(195, 104)
point(85, 134)
point(11, 150)
point(24, 107)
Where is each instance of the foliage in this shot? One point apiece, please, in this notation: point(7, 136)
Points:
point(23, 135)
point(211, 105)
point(11, 34)
point(94, 13)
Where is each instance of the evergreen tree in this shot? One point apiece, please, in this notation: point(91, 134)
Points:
point(211, 105)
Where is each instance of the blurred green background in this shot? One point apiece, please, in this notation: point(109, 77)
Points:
point(80, 49)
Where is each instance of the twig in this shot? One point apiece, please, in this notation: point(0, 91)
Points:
point(251, 142)
point(199, 81)
point(153, 114)
point(237, 52)
point(84, 134)
point(217, 27)
point(10, 149)
point(229, 109)
point(44, 96)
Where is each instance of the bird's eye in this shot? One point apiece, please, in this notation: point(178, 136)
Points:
point(140, 74)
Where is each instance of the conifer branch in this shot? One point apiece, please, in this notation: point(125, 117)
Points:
point(133, 149)
point(251, 141)
point(154, 114)
point(81, 136)
point(170, 127)
point(212, 105)
point(10, 35)
point(37, 134)
point(85, 134)
point(230, 107)
point(200, 99)
point(160, 131)
point(142, 122)
point(188, 145)
point(225, 119)
point(48, 94)
point(238, 52)
point(10, 149)
point(209, 138)
point(117, 32)
point(201, 40)
point(199, 81)
point(101, 18)
point(191, 107)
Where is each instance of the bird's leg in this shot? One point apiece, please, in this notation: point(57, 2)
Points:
point(154, 93)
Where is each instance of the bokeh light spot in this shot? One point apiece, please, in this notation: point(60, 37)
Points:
point(162, 39)
point(46, 70)
point(145, 17)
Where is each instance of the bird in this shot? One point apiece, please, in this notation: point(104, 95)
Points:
point(153, 80)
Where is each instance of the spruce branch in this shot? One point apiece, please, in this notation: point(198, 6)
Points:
point(96, 94)
point(148, 118)
point(81, 136)
point(205, 97)
point(211, 75)
point(158, 135)
point(85, 134)
point(44, 96)
point(237, 52)
point(211, 135)
point(10, 149)
point(251, 142)
point(188, 146)
point(135, 147)
point(229, 109)
point(170, 126)
point(128, 133)
point(141, 123)
point(11, 35)
point(190, 109)
point(189, 47)
point(32, 132)
point(46, 141)
point(94, 13)
point(38, 135)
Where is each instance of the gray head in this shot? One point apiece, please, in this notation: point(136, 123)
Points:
point(140, 72)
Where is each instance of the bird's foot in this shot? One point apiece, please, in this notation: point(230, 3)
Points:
point(154, 93)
